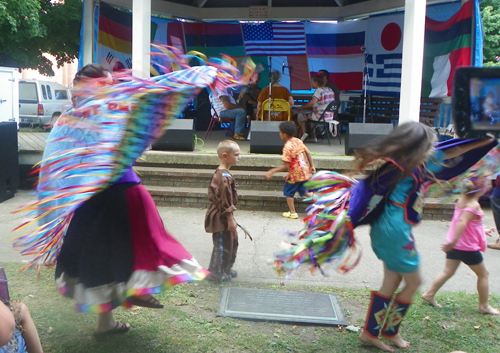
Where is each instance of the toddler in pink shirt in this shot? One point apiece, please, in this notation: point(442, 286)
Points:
point(465, 241)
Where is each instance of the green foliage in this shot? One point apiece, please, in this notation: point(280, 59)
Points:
point(30, 28)
point(490, 14)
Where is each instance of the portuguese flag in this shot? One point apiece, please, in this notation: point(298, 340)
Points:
point(447, 46)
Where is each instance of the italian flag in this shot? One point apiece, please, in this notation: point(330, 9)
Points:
point(447, 46)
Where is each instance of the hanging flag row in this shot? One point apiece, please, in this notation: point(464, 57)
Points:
point(299, 49)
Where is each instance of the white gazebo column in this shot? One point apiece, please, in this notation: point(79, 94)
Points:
point(88, 32)
point(413, 56)
point(141, 37)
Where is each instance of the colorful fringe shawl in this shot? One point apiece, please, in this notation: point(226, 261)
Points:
point(328, 236)
point(92, 145)
point(328, 240)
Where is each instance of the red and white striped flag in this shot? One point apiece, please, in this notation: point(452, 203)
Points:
point(274, 38)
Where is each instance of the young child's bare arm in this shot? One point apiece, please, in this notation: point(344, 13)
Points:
point(312, 169)
point(459, 229)
point(282, 168)
point(7, 324)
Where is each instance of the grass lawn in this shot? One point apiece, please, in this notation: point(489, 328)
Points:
point(189, 323)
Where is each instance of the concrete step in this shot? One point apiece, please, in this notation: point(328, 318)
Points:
point(200, 178)
point(249, 200)
point(262, 200)
point(248, 161)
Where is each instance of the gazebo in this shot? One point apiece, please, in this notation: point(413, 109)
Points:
point(277, 10)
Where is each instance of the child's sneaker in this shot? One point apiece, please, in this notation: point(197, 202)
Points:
point(290, 215)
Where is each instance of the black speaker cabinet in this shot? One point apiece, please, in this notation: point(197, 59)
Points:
point(360, 134)
point(9, 160)
point(178, 137)
point(265, 137)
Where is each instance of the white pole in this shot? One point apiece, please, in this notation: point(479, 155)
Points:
point(141, 37)
point(413, 55)
point(88, 32)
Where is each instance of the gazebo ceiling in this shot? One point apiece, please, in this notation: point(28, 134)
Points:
point(274, 3)
point(263, 10)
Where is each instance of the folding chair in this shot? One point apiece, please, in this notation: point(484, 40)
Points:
point(225, 123)
point(277, 105)
point(4, 288)
point(328, 126)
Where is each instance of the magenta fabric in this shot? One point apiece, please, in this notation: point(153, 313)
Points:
point(153, 245)
point(473, 238)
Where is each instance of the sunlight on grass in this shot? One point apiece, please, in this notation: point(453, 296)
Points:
point(189, 322)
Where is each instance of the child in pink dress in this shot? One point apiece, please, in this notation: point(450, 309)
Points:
point(465, 241)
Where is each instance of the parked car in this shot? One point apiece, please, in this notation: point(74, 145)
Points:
point(41, 102)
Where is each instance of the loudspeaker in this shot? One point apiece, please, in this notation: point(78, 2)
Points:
point(359, 134)
point(9, 160)
point(265, 137)
point(178, 137)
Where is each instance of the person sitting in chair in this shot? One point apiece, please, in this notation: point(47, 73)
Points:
point(249, 94)
point(226, 108)
point(277, 92)
point(325, 74)
point(313, 109)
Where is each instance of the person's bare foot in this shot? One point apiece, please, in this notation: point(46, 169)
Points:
point(488, 310)
point(398, 341)
point(365, 338)
point(431, 300)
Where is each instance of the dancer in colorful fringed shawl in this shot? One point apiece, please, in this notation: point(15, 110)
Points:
point(390, 200)
point(116, 250)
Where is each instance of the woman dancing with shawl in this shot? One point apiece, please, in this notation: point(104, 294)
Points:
point(98, 224)
point(116, 250)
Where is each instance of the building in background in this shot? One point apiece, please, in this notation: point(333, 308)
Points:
point(63, 75)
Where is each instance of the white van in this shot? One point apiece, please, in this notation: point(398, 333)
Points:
point(41, 102)
point(9, 101)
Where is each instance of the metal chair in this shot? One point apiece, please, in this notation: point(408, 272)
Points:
point(333, 107)
point(225, 123)
point(277, 105)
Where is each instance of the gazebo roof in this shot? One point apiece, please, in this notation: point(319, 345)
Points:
point(220, 10)
point(274, 3)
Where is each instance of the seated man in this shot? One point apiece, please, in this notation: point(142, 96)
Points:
point(325, 74)
point(226, 107)
point(249, 94)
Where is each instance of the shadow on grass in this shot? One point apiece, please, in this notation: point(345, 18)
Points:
point(189, 323)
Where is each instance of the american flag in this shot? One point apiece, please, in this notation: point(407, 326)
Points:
point(274, 38)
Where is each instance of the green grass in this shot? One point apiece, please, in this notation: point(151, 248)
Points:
point(189, 322)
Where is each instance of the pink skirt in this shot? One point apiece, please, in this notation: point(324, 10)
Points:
point(116, 247)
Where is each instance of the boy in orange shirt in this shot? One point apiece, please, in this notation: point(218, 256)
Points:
point(297, 161)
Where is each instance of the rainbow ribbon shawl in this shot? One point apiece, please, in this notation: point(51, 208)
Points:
point(93, 144)
point(327, 240)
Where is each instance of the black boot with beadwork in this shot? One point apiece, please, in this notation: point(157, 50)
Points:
point(376, 314)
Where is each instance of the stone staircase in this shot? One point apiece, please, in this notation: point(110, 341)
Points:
point(181, 180)
point(188, 188)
